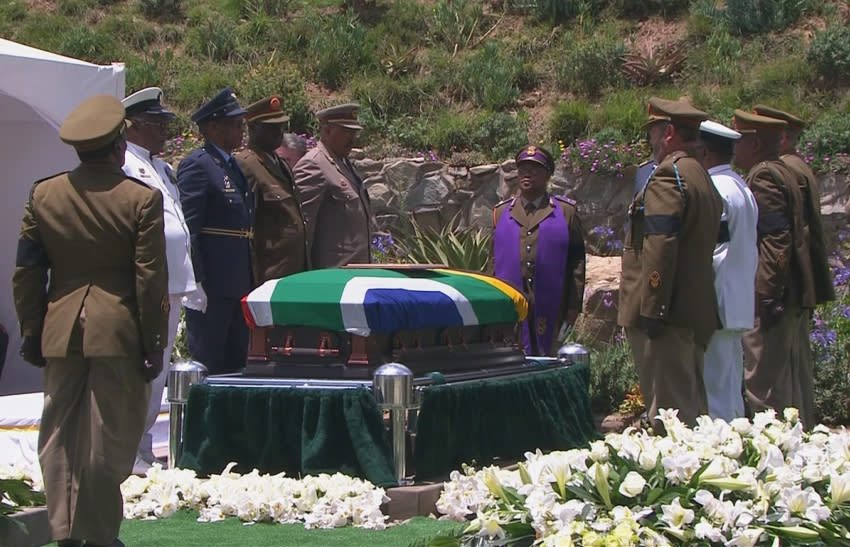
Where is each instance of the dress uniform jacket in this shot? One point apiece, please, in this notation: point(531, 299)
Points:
point(667, 258)
point(551, 269)
point(784, 271)
point(813, 227)
point(218, 206)
point(336, 209)
point(100, 236)
point(279, 243)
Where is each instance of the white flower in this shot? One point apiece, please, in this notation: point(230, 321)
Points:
point(839, 488)
point(676, 516)
point(797, 502)
point(632, 484)
point(704, 530)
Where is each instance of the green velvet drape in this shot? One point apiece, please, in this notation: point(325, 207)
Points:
point(309, 431)
point(300, 431)
point(503, 418)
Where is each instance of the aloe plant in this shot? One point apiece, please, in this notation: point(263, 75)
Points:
point(466, 248)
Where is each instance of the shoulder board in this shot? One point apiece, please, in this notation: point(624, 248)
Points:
point(39, 181)
point(566, 199)
point(503, 202)
point(644, 164)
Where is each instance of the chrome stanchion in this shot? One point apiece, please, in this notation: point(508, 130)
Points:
point(393, 388)
point(181, 376)
point(573, 354)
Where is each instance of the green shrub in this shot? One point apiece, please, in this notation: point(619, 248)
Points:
point(612, 375)
point(409, 132)
point(500, 135)
point(716, 59)
point(146, 71)
point(193, 83)
point(171, 34)
point(465, 248)
point(401, 24)
point(623, 111)
point(161, 9)
point(339, 50)
point(825, 143)
point(640, 9)
point(704, 18)
point(559, 11)
point(133, 30)
point(781, 75)
point(747, 17)
point(590, 65)
point(454, 24)
point(829, 53)
point(570, 120)
point(75, 8)
point(214, 38)
point(490, 78)
point(448, 131)
point(388, 97)
point(13, 11)
point(90, 44)
point(47, 31)
point(278, 77)
point(249, 8)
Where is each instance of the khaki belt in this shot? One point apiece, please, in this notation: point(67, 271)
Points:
point(229, 232)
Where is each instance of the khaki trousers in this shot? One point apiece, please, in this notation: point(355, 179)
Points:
point(94, 414)
point(802, 372)
point(670, 369)
point(769, 363)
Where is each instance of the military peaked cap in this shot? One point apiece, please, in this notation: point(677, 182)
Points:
point(223, 105)
point(344, 115)
point(536, 154)
point(146, 101)
point(713, 129)
point(94, 123)
point(792, 120)
point(676, 112)
point(747, 122)
point(266, 110)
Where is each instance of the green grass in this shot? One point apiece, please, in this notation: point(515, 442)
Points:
point(182, 530)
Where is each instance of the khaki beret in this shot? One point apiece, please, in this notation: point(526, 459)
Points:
point(344, 115)
point(747, 122)
point(770, 112)
point(266, 110)
point(94, 123)
point(676, 112)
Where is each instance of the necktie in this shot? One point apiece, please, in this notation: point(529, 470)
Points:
point(530, 208)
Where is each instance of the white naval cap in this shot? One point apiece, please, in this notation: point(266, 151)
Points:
point(718, 130)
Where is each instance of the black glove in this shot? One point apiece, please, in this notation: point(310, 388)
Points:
point(652, 327)
point(770, 312)
point(152, 365)
point(31, 351)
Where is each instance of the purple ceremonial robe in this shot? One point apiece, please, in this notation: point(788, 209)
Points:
point(550, 260)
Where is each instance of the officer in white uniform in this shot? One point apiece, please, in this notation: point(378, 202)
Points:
point(735, 263)
point(145, 139)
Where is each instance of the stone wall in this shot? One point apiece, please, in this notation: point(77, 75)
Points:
point(435, 193)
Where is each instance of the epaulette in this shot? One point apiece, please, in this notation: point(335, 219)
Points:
point(644, 164)
point(566, 199)
point(39, 181)
point(134, 179)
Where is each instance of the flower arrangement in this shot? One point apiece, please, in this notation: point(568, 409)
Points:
point(323, 501)
point(765, 482)
point(592, 156)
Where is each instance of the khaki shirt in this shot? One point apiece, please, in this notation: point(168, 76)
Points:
point(100, 236)
point(336, 210)
point(668, 249)
point(279, 242)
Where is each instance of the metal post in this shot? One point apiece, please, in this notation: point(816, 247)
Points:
point(181, 376)
point(393, 388)
point(573, 354)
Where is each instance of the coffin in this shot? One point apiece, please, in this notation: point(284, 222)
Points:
point(346, 322)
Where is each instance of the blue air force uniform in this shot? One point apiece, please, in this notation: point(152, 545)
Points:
point(218, 207)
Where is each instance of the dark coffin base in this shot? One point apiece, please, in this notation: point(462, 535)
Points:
point(304, 352)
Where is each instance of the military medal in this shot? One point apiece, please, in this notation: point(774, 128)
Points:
point(655, 279)
point(541, 326)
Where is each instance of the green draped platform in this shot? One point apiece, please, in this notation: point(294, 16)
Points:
point(309, 431)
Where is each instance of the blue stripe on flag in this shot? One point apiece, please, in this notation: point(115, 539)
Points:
point(389, 310)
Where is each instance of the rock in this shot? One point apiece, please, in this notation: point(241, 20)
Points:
point(480, 170)
point(428, 192)
point(382, 197)
point(601, 294)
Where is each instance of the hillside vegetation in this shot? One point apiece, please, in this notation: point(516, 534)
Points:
point(472, 80)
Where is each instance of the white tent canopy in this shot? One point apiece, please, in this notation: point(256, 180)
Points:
point(37, 91)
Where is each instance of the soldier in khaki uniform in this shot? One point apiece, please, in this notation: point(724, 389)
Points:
point(279, 244)
point(333, 198)
point(813, 232)
point(667, 298)
point(98, 326)
point(784, 281)
point(538, 246)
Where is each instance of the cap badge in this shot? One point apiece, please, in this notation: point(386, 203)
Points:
point(274, 103)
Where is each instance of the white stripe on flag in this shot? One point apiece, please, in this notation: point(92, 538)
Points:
point(259, 302)
point(354, 314)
